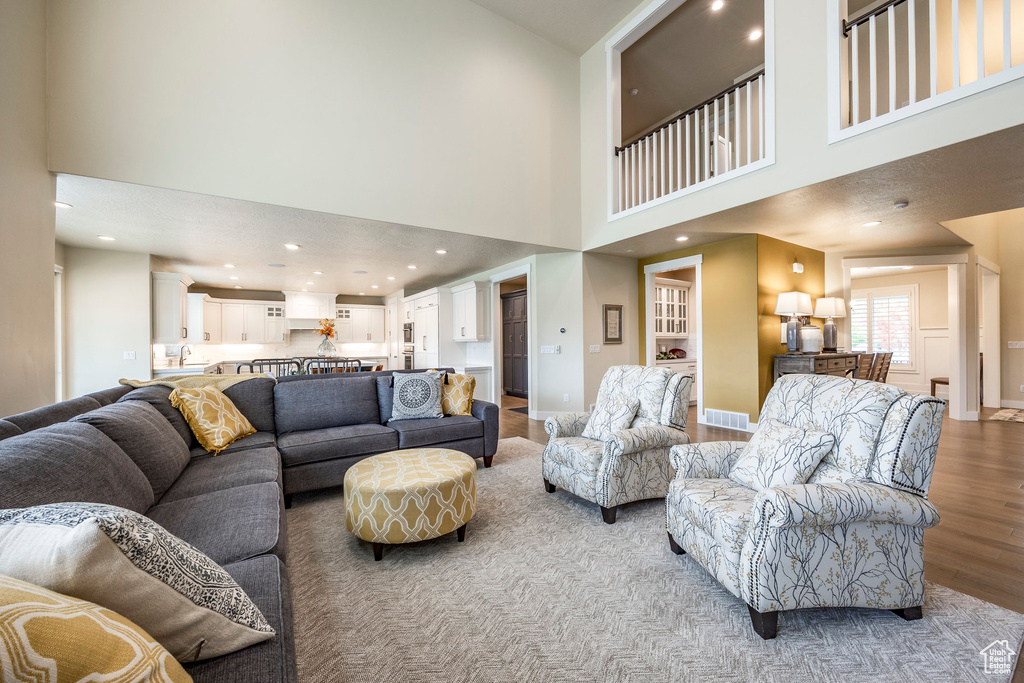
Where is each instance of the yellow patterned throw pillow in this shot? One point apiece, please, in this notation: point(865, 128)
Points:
point(46, 637)
point(457, 394)
point(214, 419)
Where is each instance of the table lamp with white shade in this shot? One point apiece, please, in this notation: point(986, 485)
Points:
point(830, 307)
point(794, 305)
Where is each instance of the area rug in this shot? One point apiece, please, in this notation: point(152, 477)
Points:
point(543, 590)
point(1009, 415)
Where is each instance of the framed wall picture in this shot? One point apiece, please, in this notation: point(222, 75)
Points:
point(612, 324)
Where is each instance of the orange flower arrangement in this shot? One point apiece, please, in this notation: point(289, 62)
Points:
point(326, 328)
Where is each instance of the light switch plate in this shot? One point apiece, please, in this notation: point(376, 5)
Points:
point(547, 349)
point(129, 355)
point(595, 348)
point(1015, 345)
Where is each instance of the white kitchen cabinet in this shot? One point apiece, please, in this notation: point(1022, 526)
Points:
point(359, 324)
point(684, 366)
point(469, 311)
point(671, 308)
point(203, 320)
point(305, 309)
point(170, 308)
point(275, 326)
point(244, 323)
point(407, 311)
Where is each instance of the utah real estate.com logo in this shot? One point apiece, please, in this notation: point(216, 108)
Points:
point(998, 658)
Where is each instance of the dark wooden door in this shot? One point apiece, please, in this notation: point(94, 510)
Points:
point(515, 369)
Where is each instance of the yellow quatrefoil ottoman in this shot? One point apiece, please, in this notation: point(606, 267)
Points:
point(411, 495)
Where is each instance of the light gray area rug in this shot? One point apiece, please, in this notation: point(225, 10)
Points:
point(543, 590)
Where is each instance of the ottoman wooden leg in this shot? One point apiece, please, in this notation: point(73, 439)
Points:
point(461, 532)
point(378, 552)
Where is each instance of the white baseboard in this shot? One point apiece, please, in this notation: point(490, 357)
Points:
point(1012, 404)
point(545, 414)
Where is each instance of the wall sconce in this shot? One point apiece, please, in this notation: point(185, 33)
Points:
point(798, 267)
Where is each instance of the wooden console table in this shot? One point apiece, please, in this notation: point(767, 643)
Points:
point(840, 364)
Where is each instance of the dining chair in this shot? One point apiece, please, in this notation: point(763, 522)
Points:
point(865, 364)
point(278, 367)
point(319, 366)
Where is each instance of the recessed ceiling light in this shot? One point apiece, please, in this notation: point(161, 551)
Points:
point(275, 265)
point(755, 34)
point(682, 238)
point(374, 287)
point(233, 277)
point(291, 246)
point(63, 205)
point(305, 290)
point(901, 205)
point(310, 283)
point(442, 252)
point(229, 265)
point(717, 5)
point(238, 286)
point(362, 293)
point(105, 238)
point(871, 224)
point(412, 267)
point(318, 272)
point(391, 277)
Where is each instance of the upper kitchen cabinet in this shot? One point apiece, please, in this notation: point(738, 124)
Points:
point(469, 311)
point(247, 323)
point(204, 326)
point(671, 308)
point(275, 328)
point(170, 308)
point(355, 323)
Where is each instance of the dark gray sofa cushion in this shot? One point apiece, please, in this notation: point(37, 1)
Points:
point(52, 414)
point(336, 442)
point(257, 440)
point(429, 431)
point(265, 580)
point(323, 403)
point(230, 525)
point(488, 412)
point(146, 437)
point(255, 398)
point(70, 462)
point(209, 473)
point(108, 396)
point(158, 397)
point(385, 397)
point(9, 429)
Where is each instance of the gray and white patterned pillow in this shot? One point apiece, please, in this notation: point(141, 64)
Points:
point(609, 416)
point(128, 563)
point(417, 395)
point(780, 455)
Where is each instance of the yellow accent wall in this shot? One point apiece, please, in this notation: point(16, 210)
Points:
point(729, 288)
point(740, 279)
point(775, 274)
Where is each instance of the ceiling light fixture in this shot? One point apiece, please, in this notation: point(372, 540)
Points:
point(755, 34)
point(291, 246)
point(229, 265)
point(305, 290)
point(359, 272)
point(442, 252)
point(391, 277)
point(275, 265)
point(63, 205)
point(318, 272)
point(412, 267)
point(310, 283)
point(105, 238)
point(717, 5)
point(374, 287)
point(233, 277)
point(682, 238)
point(901, 205)
point(238, 286)
point(362, 293)
point(871, 224)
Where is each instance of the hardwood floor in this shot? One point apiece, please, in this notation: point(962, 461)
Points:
point(978, 487)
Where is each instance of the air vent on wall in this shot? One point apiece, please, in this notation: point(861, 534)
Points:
point(727, 419)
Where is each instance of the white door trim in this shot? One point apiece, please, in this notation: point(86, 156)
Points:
point(697, 304)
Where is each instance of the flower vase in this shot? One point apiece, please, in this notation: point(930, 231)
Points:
point(326, 349)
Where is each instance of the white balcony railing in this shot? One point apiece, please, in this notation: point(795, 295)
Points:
point(720, 136)
point(906, 56)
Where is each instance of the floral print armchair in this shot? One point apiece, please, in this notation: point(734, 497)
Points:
point(633, 463)
point(852, 536)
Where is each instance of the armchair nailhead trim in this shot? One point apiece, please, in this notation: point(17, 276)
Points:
point(899, 447)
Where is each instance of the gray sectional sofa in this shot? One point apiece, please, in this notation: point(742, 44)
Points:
point(131, 448)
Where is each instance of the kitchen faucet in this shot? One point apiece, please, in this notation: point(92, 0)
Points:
point(184, 352)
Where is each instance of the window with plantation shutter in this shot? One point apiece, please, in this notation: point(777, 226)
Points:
point(884, 320)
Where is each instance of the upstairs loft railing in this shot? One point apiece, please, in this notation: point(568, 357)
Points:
point(720, 135)
point(905, 56)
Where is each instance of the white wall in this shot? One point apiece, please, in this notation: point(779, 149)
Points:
point(437, 114)
point(803, 155)
point(107, 310)
point(608, 280)
point(27, 192)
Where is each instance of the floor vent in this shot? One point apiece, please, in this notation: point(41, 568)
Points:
point(727, 419)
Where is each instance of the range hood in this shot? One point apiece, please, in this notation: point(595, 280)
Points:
point(304, 310)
